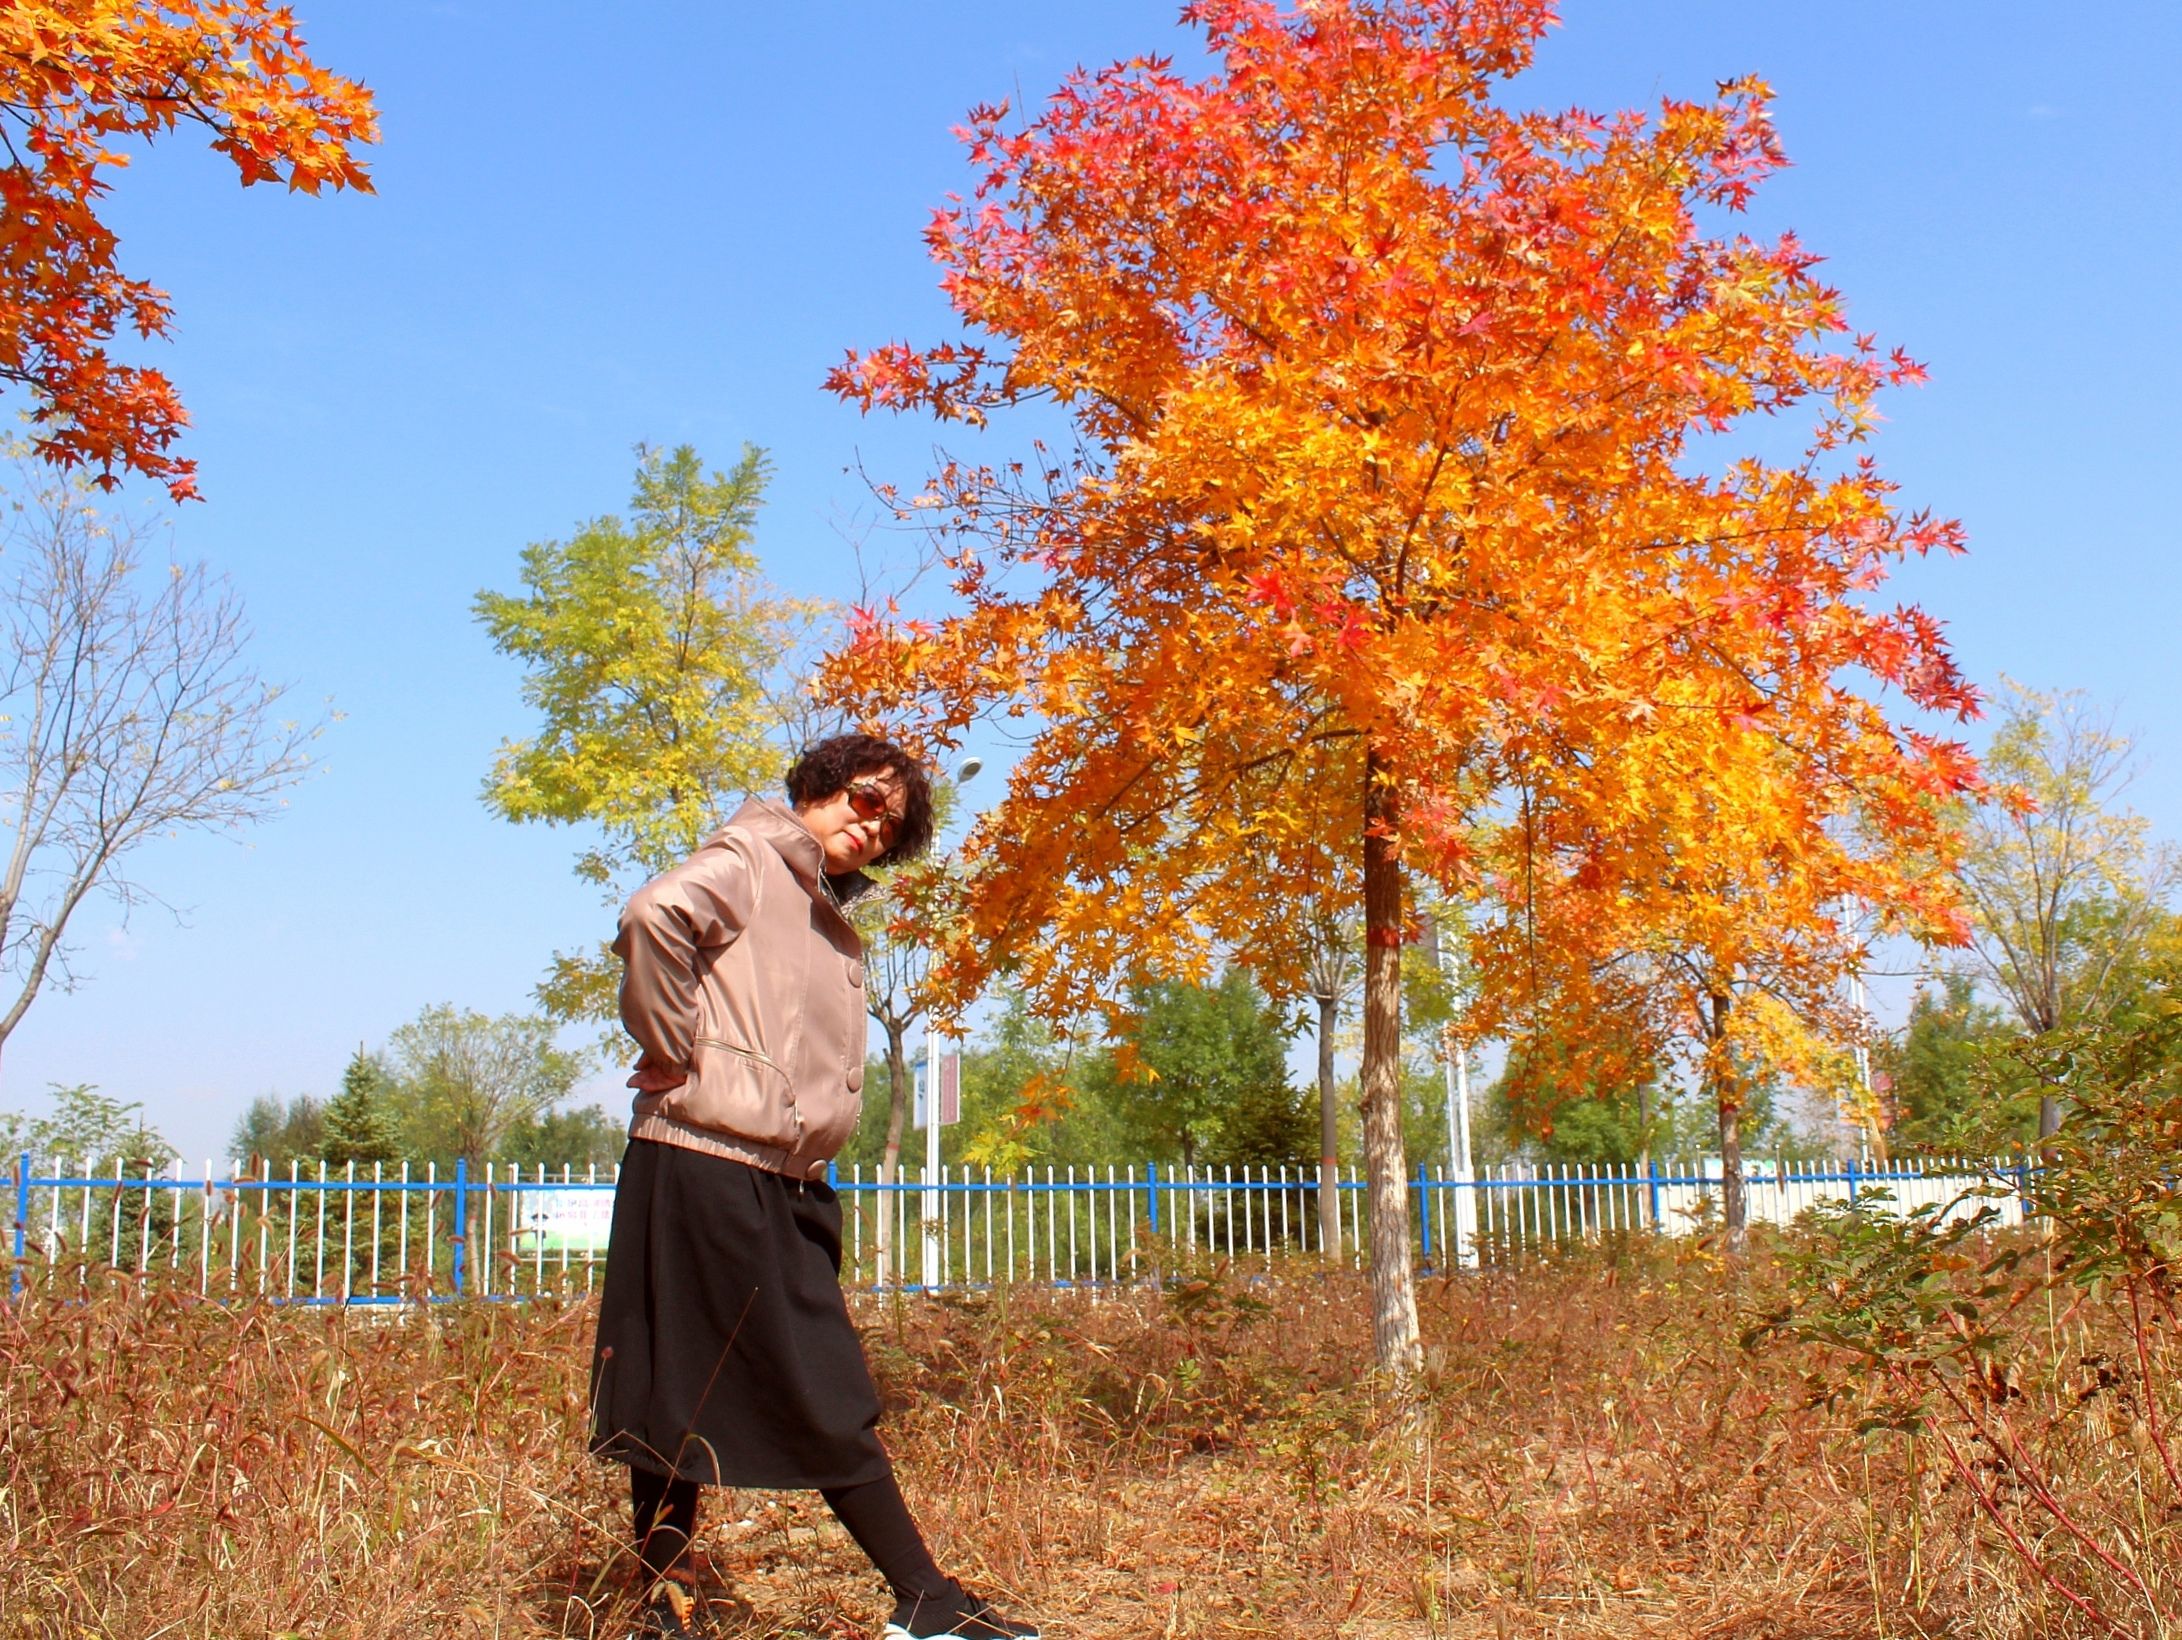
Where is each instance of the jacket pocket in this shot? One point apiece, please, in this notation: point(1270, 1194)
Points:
point(831, 1119)
point(738, 1091)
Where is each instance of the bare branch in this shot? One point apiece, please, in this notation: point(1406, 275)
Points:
point(127, 711)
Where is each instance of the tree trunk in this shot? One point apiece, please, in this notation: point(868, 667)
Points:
point(1329, 1182)
point(1734, 1208)
point(899, 1090)
point(2048, 1018)
point(1728, 1097)
point(1394, 1333)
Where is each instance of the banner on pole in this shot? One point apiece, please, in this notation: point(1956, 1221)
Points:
point(950, 1091)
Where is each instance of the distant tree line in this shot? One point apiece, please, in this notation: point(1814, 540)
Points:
point(1202, 1079)
point(451, 1083)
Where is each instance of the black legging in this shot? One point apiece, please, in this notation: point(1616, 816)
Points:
point(664, 1510)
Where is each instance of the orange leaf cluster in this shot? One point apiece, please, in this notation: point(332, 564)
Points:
point(1390, 521)
point(78, 80)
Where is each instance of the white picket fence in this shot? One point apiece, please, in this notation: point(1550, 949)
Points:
point(321, 1235)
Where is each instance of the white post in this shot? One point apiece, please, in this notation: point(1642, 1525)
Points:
point(965, 771)
point(1459, 1159)
point(931, 1155)
point(1466, 1201)
point(1861, 1002)
point(204, 1248)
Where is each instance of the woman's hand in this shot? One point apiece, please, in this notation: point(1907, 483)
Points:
point(655, 1076)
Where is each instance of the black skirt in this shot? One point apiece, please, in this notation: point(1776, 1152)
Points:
point(725, 1352)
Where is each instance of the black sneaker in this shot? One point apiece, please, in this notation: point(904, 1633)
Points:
point(961, 1613)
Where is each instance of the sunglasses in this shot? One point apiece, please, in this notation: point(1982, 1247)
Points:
point(869, 802)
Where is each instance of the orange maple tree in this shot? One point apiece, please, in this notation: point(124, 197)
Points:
point(1386, 518)
point(79, 81)
point(1720, 929)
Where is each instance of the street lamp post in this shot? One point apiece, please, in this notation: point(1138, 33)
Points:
point(1860, 1000)
point(1459, 1162)
point(934, 1105)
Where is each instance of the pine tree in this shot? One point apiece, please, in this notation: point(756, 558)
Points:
point(357, 1128)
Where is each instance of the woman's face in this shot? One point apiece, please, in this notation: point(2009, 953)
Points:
point(857, 825)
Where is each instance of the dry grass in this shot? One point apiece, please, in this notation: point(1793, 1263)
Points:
point(1598, 1457)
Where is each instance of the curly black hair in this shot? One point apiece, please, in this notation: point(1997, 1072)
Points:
point(826, 767)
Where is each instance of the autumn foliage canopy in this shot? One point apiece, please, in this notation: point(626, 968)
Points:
point(80, 82)
point(1406, 510)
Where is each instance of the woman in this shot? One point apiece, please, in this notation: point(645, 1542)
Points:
point(725, 1354)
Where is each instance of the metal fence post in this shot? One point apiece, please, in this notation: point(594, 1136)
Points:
point(462, 1222)
point(1424, 1211)
point(22, 1223)
point(1554, 1203)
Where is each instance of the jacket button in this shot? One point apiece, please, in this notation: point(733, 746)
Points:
point(856, 972)
point(856, 1079)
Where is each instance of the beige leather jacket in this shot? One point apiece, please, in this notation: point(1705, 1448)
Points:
point(741, 973)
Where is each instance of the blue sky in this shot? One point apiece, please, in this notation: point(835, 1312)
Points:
point(664, 222)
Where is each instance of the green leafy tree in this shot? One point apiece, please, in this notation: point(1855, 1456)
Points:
point(279, 1131)
point(2065, 886)
point(88, 1128)
point(581, 1138)
point(1202, 1078)
point(358, 1127)
point(1030, 1099)
point(107, 1137)
point(652, 652)
point(462, 1084)
point(1611, 1130)
point(1552, 1106)
point(1559, 1107)
point(1206, 1080)
point(1438, 985)
point(1930, 1068)
point(2138, 986)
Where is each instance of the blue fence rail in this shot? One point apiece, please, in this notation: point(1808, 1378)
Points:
point(319, 1235)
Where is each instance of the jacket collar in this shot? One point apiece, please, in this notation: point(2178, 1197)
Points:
point(798, 846)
